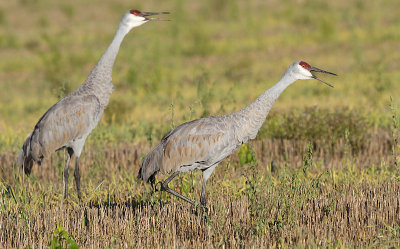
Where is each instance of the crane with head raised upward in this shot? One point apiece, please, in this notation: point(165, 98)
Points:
point(203, 143)
point(69, 122)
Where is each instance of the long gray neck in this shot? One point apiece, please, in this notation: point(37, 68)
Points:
point(99, 81)
point(107, 60)
point(250, 119)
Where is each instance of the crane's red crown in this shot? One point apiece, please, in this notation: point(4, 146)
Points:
point(305, 65)
point(136, 12)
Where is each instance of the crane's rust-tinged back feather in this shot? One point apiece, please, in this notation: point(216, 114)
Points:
point(70, 119)
point(202, 142)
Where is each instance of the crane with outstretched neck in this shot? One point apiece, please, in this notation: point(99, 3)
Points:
point(69, 122)
point(203, 143)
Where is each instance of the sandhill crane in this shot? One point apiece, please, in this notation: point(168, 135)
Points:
point(203, 143)
point(68, 123)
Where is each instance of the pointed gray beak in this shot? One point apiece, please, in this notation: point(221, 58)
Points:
point(146, 14)
point(314, 69)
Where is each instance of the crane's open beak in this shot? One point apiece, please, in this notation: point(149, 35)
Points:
point(146, 14)
point(314, 69)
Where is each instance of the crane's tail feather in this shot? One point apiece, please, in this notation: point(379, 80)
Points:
point(151, 164)
point(25, 159)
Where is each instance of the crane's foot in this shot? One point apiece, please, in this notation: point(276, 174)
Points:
point(161, 187)
point(201, 210)
point(155, 189)
point(203, 203)
point(66, 202)
point(203, 200)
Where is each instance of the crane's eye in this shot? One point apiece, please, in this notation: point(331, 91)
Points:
point(136, 12)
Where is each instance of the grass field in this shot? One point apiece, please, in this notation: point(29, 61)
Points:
point(322, 172)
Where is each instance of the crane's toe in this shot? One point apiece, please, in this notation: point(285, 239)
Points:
point(201, 210)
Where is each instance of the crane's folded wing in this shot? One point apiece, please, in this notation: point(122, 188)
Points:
point(204, 141)
point(72, 118)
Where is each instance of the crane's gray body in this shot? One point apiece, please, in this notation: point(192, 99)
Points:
point(66, 124)
point(203, 143)
point(69, 122)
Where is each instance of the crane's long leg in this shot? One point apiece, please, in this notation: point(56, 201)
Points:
point(164, 186)
point(203, 198)
point(77, 178)
point(65, 173)
point(206, 174)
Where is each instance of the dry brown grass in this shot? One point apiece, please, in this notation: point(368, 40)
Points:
point(341, 200)
point(362, 215)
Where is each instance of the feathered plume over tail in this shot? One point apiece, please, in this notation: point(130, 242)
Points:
point(25, 159)
point(151, 164)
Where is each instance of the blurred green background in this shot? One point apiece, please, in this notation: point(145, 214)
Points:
point(213, 57)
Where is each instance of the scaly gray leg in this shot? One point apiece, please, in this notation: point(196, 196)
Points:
point(206, 174)
point(77, 178)
point(164, 186)
point(203, 199)
point(65, 173)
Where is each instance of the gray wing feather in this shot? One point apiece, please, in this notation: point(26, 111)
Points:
point(151, 164)
point(69, 119)
point(204, 141)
